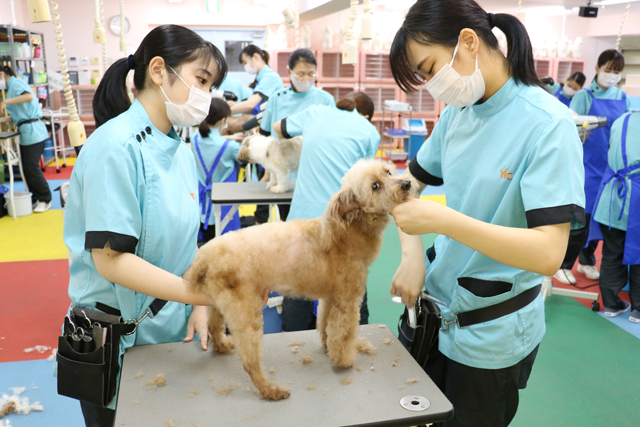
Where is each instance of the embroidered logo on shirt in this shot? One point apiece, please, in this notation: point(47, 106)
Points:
point(505, 174)
point(192, 196)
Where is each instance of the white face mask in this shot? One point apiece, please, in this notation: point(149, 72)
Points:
point(607, 80)
point(302, 86)
point(3, 84)
point(249, 69)
point(452, 89)
point(568, 91)
point(192, 112)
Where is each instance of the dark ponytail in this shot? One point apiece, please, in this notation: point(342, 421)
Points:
point(7, 70)
point(218, 110)
point(175, 44)
point(439, 22)
point(357, 101)
point(578, 77)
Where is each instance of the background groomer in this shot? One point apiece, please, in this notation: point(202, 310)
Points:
point(24, 109)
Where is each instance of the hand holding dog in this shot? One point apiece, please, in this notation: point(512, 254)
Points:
point(198, 323)
point(419, 216)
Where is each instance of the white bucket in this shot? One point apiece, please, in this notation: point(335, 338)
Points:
point(22, 202)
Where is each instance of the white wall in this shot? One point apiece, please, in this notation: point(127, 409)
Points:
point(5, 12)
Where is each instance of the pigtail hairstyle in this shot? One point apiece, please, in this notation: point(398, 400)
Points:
point(175, 44)
point(439, 22)
point(357, 100)
point(251, 50)
point(218, 110)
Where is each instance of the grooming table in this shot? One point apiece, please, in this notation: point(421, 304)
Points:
point(243, 193)
point(195, 381)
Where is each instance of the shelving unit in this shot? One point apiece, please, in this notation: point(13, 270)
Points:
point(422, 103)
point(10, 36)
point(564, 67)
point(338, 90)
point(332, 70)
point(375, 68)
point(543, 66)
point(380, 93)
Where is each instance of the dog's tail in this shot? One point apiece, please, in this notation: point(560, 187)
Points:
point(196, 274)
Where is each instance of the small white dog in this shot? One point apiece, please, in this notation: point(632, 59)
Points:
point(278, 156)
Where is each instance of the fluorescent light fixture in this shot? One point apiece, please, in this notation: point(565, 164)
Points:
point(610, 2)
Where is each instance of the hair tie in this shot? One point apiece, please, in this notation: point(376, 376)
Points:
point(491, 16)
point(130, 61)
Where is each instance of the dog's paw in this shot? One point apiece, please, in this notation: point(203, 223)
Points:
point(270, 185)
point(224, 346)
point(279, 189)
point(275, 392)
point(343, 360)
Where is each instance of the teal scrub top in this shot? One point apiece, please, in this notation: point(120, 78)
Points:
point(136, 188)
point(514, 161)
point(616, 163)
point(235, 85)
point(287, 102)
point(268, 83)
point(581, 101)
point(328, 152)
point(30, 133)
point(210, 147)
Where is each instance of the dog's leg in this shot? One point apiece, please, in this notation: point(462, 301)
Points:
point(272, 181)
point(221, 342)
point(324, 307)
point(244, 318)
point(342, 332)
point(282, 177)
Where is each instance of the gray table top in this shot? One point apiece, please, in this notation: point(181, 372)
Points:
point(206, 389)
point(240, 193)
point(6, 135)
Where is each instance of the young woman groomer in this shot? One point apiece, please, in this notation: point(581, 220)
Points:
point(22, 105)
point(511, 160)
point(268, 82)
point(132, 213)
point(573, 84)
point(601, 98)
point(328, 152)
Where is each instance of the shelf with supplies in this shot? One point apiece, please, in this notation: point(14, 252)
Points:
point(24, 46)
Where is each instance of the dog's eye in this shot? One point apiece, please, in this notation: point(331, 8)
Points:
point(376, 186)
point(389, 172)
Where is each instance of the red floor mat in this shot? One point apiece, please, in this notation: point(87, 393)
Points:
point(51, 174)
point(32, 307)
point(585, 284)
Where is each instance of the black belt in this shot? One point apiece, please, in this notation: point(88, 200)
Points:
point(155, 307)
point(493, 312)
point(24, 122)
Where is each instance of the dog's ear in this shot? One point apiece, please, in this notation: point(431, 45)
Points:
point(340, 212)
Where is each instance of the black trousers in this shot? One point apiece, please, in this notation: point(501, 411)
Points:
point(480, 397)
point(576, 249)
point(33, 174)
point(97, 416)
point(614, 275)
point(205, 235)
point(297, 314)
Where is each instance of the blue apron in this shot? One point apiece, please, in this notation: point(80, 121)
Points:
point(566, 101)
point(596, 147)
point(632, 239)
point(205, 202)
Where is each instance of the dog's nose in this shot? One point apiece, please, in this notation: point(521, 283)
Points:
point(406, 185)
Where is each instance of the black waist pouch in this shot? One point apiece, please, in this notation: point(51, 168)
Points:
point(420, 341)
point(88, 353)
